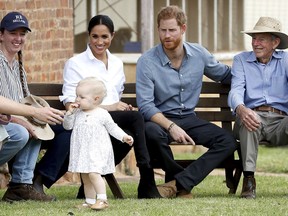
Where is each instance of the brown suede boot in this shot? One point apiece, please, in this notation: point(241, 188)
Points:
point(168, 190)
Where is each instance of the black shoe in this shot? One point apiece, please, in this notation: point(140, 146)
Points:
point(249, 188)
point(147, 187)
point(25, 192)
point(38, 183)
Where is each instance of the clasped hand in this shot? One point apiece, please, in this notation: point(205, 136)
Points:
point(121, 106)
point(248, 117)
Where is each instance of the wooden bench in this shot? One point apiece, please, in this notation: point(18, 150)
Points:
point(212, 107)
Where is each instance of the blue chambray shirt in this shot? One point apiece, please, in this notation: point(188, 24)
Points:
point(255, 84)
point(160, 88)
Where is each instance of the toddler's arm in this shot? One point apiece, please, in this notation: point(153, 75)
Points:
point(128, 139)
point(69, 116)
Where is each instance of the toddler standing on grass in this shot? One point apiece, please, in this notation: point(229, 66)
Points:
point(91, 152)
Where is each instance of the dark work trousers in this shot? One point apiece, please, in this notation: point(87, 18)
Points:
point(220, 144)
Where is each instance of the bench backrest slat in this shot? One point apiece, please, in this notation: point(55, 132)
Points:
point(45, 89)
point(212, 105)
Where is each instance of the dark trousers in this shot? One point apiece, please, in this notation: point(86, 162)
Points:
point(219, 142)
point(132, 123)
point(54, 163)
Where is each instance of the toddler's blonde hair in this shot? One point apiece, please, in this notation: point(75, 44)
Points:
point(96, 86)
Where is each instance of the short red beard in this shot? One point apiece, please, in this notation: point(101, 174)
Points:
point(173, 44)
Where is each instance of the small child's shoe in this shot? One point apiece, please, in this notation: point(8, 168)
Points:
point(100, 205)
point(83, 205)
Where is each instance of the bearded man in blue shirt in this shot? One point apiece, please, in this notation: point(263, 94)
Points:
point(168, 85)
point(259, 96)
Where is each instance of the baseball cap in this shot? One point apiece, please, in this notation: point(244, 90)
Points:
point(14, 20)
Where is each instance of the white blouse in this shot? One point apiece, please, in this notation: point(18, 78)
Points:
point(86, 65)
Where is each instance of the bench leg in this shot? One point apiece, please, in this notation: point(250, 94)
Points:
point(233, 171)
point(114, 186)
point(238, 172)
point(232, 180)
point(229, 179)
point(237, 176)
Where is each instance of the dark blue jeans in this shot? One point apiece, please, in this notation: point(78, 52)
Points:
point(220, 144)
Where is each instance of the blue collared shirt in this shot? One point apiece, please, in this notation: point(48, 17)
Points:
point(160, 88)
point(255, 84)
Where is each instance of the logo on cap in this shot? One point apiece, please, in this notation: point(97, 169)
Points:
point(18, 18)
point(14, 20)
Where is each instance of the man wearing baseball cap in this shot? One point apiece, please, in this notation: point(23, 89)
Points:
point(259, 95)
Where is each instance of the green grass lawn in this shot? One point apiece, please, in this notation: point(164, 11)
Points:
point(210, 197)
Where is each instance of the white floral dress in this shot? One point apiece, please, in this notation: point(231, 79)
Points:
point(91, 148)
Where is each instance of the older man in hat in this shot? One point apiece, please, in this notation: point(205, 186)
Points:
point(259, 95)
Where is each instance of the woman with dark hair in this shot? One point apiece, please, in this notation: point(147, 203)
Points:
point(98, 62)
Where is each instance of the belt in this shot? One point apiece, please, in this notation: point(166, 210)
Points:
point(269, 109)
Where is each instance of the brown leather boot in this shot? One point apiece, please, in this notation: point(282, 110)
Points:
point(249, 188)
point(25, 192)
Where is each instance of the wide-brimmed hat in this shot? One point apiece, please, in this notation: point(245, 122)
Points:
point(270, 25)
point(41, 129)
point(14, 20)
